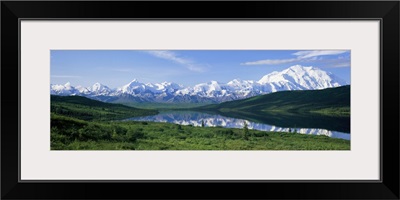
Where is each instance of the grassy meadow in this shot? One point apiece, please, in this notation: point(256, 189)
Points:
point(73, 134)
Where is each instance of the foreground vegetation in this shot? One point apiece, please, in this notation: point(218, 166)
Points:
point(73, 134)
point(79, 123)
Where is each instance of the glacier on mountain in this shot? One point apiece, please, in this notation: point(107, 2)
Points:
point(293, 78)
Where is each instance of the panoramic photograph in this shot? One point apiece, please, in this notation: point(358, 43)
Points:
point(200, 99)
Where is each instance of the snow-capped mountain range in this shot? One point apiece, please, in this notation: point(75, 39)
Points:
point(293, 78)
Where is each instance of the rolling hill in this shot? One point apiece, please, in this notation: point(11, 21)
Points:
point(331, 101)
point(88, 109)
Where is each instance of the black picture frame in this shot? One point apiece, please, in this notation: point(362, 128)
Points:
point(386, 11)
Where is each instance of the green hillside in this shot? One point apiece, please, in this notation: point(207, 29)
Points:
point(88, 109)
point(331, 101)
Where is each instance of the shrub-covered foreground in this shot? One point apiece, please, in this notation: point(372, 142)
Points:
point(73, 134)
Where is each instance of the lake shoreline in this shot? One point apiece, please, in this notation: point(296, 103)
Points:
point(215, 119)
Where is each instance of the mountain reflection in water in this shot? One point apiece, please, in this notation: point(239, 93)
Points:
point(211, 120)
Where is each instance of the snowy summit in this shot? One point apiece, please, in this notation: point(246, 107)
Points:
point(293, 78)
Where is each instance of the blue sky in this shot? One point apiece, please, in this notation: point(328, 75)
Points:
point(115, 68)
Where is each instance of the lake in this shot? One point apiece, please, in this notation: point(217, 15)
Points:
point(312, 124)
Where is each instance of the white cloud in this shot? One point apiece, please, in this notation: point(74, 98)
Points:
point(270, 62)
point(302, 56)
point(343, 64)
point(169, 55)
point(309, 54)
point(172, 56)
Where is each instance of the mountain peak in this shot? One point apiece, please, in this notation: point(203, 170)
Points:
point(299, 77)
point(299, 68)
point(234, 81)
point(99, 85)
point(296, 77)
point(134, 81)
point(296, 67)
point(100, 89)
point(214, 82)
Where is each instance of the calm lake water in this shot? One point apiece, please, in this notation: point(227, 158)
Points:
point(262, 123)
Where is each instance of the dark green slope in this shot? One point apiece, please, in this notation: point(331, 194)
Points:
point(331, 101)
point(88, 109)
